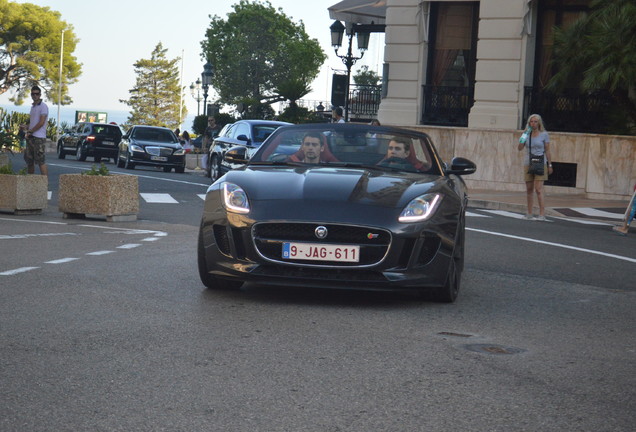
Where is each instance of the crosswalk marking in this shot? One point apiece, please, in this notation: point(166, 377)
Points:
point(597, 213)
point(471, 214)
point(160, 198)
point(506, 214)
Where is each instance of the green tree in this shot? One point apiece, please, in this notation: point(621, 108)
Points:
point(30, 42)
point(156, 96)
point(364, 76)
point(598, 52)
point(260, 56)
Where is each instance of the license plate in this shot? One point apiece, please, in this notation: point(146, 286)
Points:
point(158, 158)
point(108, 143)
point(321, 252)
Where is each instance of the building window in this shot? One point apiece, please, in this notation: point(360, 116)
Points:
point(449, 92)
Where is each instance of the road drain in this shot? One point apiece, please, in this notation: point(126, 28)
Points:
point(493, 349)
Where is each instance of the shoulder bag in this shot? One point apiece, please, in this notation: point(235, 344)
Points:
point(537, 164)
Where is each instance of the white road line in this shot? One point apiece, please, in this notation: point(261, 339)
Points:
point(597, 213)
point(590, 251)
point(18, 270)
point(23, 236)
point(158, 198)
point(103, 252)
point(128, 246)
point(61, 261)
point(150, 239)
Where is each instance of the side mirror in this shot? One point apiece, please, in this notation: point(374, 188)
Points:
point(236, 155)
point(461, 166)
point(243, 138)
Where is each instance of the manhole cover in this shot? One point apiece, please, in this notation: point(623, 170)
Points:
point(493, 349)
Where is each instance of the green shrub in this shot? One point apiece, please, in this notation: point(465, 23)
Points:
point(101, 171)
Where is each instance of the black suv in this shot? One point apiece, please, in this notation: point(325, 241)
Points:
point(99, 140)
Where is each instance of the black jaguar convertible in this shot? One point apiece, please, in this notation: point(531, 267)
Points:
point(338, 206)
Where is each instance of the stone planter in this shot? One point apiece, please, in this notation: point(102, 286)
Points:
point(23, 194)
point(114, 196)
point(4, 159)
point(193, 161)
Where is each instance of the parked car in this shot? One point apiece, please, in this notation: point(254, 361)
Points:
point(152, 146)
point(247, 133)
point(99, 140)
point(359, 217)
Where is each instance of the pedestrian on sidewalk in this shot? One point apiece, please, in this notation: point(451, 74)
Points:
point(629, 216)
point(537, 140)
point(36, 133)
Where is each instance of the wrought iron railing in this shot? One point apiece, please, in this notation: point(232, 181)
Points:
point(446, 106)
point(570, 110)
point(364, 101)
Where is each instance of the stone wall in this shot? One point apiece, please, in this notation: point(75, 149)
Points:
point(606, 164)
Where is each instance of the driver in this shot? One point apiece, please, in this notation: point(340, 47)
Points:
point(397, 154)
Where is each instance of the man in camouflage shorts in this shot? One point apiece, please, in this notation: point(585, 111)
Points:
point(36, 133)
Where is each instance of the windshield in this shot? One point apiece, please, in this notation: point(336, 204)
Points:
point(154, 135)
point(350, 146)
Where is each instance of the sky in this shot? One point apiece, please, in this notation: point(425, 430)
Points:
point(113, 36)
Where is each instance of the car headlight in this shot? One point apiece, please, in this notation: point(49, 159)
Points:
point(136, 148)
point(179, 152)
point(421, 208)
point(235, 198)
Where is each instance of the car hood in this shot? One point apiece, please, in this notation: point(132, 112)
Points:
point(332, 184)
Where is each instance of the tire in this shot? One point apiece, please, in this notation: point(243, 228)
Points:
point(179, 170)
point(127, 163)
point(61, 154)
point(80, 153)
point(98, 159)
point(210, 281)
point(119, 162)
point(215, 168)
point(449, 292)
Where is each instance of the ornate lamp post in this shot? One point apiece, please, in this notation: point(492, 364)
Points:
point(337, 32)
point(195, 91)
point(206, 80)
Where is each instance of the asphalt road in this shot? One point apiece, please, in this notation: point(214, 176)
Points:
point(106, 326)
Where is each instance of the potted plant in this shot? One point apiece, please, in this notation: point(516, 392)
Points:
point(98, 192)
point(21, 193)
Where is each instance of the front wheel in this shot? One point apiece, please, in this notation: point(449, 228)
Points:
point(118, 161)
point(60, 151)
point(215, 169)
point(128, 164)
point(209, 280)
point(449, 292)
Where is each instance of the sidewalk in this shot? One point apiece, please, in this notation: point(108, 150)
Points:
point(558, 205)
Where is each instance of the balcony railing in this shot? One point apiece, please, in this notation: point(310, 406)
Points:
point(447, 106)
point(570, 110)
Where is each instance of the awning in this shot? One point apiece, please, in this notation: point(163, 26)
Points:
point(359, 11)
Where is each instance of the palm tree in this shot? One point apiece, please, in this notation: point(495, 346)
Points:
point(599, 53)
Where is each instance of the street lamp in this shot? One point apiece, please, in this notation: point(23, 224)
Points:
point(337, 32)
point(195, 91)
point(206, 80)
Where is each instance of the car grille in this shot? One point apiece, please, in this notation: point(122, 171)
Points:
point(159, 151)
point(268, 239)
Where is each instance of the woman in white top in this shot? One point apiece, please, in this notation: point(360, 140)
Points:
point(538, 141)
